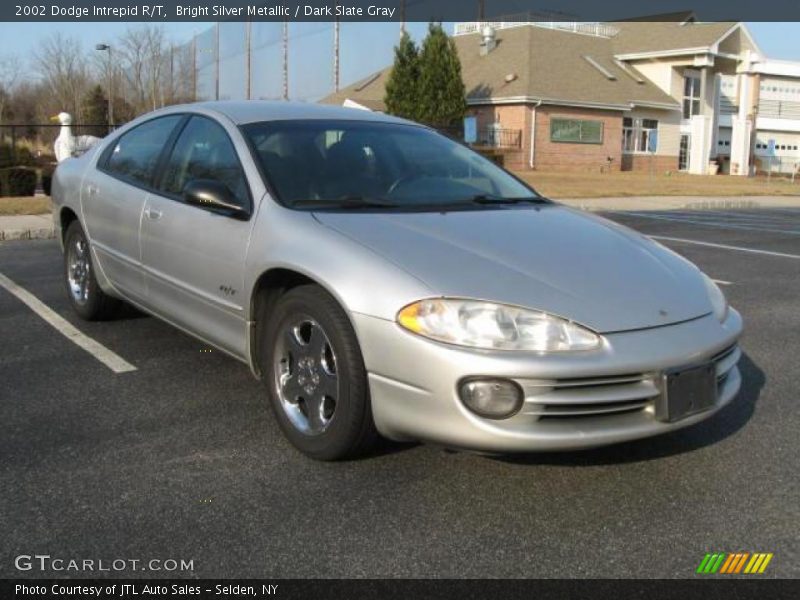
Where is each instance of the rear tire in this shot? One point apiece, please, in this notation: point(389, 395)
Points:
point(84, 293)
point(315, 375)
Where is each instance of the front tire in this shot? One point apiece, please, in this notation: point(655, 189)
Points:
point(83, 291)
point(315, 375)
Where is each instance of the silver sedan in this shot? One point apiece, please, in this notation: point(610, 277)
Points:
point(380, 278)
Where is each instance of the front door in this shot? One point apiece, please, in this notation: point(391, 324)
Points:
point(113, 196)
point(193, 258)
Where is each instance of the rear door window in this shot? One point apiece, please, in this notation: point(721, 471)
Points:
point(134, 156)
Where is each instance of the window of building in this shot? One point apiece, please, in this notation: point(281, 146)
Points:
point(683, 154)
point(639, 135)
point(580, 131)
point(691, 94)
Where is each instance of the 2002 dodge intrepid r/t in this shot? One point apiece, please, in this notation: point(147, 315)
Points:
point(381, 278)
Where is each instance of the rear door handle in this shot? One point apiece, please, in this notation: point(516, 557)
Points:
point(152, 214)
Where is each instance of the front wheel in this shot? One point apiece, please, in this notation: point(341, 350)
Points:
point(315, 375)
point(85, 295)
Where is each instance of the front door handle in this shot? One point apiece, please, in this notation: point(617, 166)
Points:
point(92, 189)
point(152, 214)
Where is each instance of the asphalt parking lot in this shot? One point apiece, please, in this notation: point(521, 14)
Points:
point(180, 458)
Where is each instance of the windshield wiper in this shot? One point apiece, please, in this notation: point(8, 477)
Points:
point(488, 199)
point(348, 202)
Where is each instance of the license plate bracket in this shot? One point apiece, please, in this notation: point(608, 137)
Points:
point(687, 391)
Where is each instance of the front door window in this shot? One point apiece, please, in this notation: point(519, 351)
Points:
point(683, 153)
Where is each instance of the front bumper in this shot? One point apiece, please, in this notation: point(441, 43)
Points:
point(572, 401)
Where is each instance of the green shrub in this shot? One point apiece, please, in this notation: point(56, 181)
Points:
point(17, 181)
point(5, 156)
point(47, 182)
point(24, 158)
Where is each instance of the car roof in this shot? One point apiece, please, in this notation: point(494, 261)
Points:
point(250, 111)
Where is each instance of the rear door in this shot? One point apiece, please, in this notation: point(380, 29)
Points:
point(113, 197)
point(194, 258)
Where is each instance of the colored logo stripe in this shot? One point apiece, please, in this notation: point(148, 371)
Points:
point(734, 563)
point(758, 563)
point(711, 562)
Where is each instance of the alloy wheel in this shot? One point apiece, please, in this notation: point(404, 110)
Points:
point(306, 377)
point(79, 267)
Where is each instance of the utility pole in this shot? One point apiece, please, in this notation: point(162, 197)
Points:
point(402, 18)
point(336, 53)
point(216, 62)
point(285, 59)
point(481, 11)
point(109, 83)
point(172, 74)
point(248, 31)
point(194, 68)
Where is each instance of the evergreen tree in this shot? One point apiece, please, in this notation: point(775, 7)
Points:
point(402, 87)
point(442, 97)
point(95, 111)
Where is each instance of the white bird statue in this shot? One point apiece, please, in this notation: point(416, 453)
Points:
point(66, 144)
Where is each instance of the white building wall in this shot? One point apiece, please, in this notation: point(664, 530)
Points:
point(700, 149)
point(669, 128)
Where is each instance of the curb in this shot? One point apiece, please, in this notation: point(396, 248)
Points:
point(43, 233)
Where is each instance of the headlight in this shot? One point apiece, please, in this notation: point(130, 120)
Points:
point(478, 324)
point(717, 298)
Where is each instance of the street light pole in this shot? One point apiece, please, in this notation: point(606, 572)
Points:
point(109, 82)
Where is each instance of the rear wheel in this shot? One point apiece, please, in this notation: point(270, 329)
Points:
point(85, 295)
point(315, 375)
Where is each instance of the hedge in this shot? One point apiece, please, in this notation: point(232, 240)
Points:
point(47, 183)
point(17, 181)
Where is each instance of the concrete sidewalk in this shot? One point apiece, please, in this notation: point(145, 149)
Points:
point(26, 227)
point(33, 227)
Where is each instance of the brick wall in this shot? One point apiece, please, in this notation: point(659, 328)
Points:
point(565, 156)
point(577, 156)
point(509, 116)
point(645, 162)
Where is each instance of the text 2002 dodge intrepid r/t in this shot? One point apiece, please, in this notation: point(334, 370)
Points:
point(381, 278)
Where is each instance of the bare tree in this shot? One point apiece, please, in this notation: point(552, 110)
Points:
point(9, 76)
point(157, 53)
point(184, 73)
point(146, 67)
point(64, 71)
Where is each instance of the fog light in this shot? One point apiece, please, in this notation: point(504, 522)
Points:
point(491, 398)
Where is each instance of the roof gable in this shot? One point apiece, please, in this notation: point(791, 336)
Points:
point(666, 36)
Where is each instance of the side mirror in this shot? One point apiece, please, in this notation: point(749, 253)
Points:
point(214, 196)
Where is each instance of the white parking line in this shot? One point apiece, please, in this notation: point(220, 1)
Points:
point(720, 224)
point(96, 349)
point(725, 246)
point(721, 282)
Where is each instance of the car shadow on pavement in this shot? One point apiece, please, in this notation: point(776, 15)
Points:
point(725, 423)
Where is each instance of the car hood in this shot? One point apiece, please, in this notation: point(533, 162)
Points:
point(552, 258)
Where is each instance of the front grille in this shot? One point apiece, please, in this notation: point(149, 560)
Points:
point(725, 361)
point(606, 396)
point(588, 396)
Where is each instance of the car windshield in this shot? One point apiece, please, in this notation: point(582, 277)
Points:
point(319, 164)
